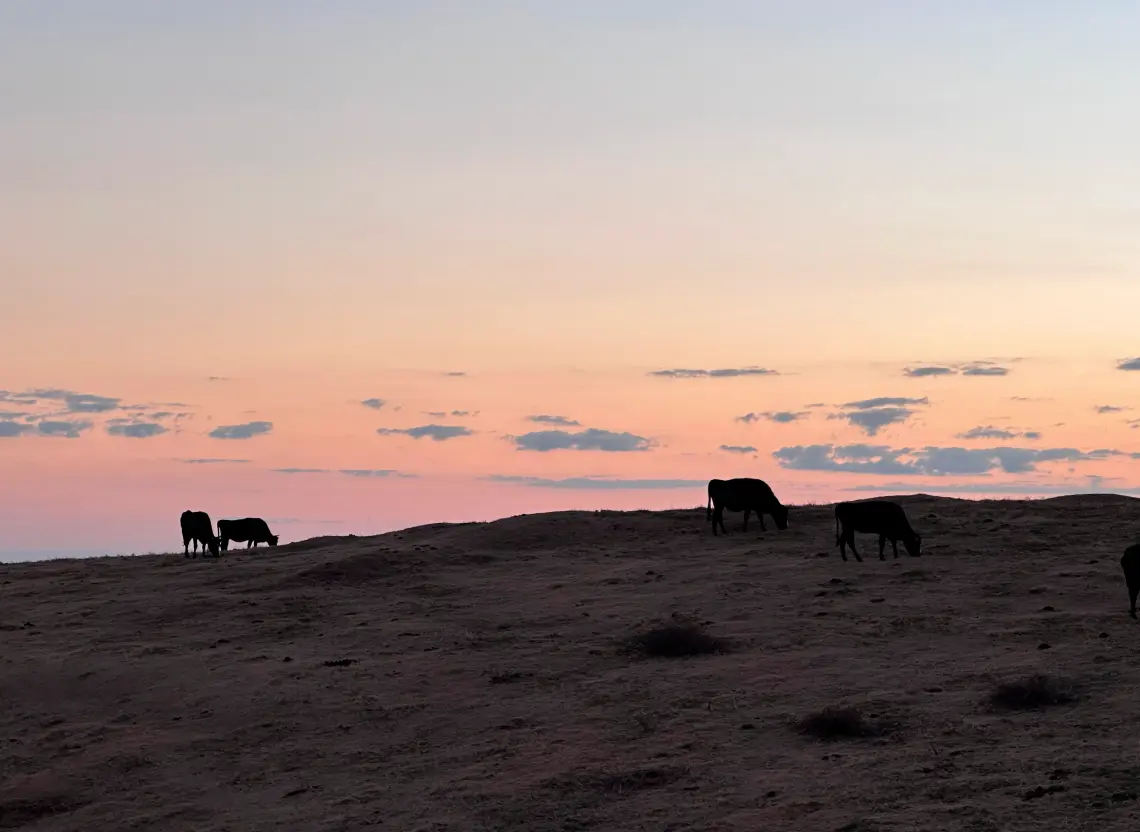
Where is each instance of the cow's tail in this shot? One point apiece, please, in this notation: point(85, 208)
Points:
point(708, 509)
point(837, 536)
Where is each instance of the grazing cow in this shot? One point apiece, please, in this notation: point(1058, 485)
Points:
point(251, 529)
point(196, 526)
point(747, 495)
point(1130, 563)
point(882, 517)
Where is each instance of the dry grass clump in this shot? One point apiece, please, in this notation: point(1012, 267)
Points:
point(833, 723)
point(677, 641)
point(1032, 693)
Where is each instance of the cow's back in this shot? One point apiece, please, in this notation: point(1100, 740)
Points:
point(872, 515)
point(747, 491)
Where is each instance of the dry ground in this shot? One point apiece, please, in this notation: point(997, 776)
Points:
point(484, 686)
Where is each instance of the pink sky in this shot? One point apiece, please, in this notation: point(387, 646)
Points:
point(347, 201)
point(98, 490)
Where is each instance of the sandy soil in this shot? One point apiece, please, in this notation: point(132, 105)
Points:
point(487, 688)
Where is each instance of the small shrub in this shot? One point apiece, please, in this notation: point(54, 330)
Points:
point(840, 723)
point(1032, 693)
point(676, 641)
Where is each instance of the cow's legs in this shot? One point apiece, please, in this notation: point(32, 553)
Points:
point(1133, 591)
point(760, 516)
point(718, 519)
point(895, 546)
point(747, 511)
point(882, 545)
point(186, 547)
point(851, 543)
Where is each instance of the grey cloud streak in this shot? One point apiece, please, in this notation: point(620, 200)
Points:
point(437, 433)
point(590, 439)
point(929, 460)
point(720, 373)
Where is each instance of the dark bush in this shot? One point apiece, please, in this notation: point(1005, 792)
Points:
point(840, 723)
point(676, 641)
point(1032, 693)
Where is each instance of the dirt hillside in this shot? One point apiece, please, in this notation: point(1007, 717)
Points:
point(478, 677)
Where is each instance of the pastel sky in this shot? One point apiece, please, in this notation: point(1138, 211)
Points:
point(461, 251)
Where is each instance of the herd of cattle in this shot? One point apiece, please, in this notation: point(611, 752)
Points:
point(885, 518)
point(197, 528)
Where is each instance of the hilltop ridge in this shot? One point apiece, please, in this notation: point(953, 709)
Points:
point(478, 676)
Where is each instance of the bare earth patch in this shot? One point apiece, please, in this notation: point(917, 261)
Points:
point(466, 678)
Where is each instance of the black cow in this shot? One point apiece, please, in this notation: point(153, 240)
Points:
point(747, 495)
point(196, 526)
point(1130, 563)
point(251, 529)
point(882, 517)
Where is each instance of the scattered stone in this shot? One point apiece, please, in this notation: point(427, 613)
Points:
point(1123, 797)
point(934, 690)
point(1103, 635)
point(748, 726)
point(340, 662)
point(878, 600)
point(1044, 645)
point(1047, 608)
point(287, 659)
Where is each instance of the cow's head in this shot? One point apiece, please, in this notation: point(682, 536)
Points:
point(780, 515)
point(914, 545)
point(213, 544)
point(272, 540)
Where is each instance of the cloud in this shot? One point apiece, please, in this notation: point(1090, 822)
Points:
point(590, 439)
point(976, 368)
point(74, 402)
point(722, 373)
point(437, 433)
point(1094, 485)
point(991, 432)
point(923, 372)
point(373, 472)
point(872, 415)
point(782, 417)
point(214, 461)
point(299, 470)
point(245, 431)
point(458, 414)
point(988, 433)
point(67, 429)
point(883, 401)
point(456, 374)
point(136, 430)
point(1128, 364)
point(1110, 408)
point(872, 421)
point(375, 404)
point(931, 460)
point(15, 398)
point(596, 483)
point(10, 429)
point(985, 370)
point(561, 421)
point(217, 378)
point(859, 459)
point(738, 449)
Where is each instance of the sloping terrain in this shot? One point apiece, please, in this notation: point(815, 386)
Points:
point(476, 677)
